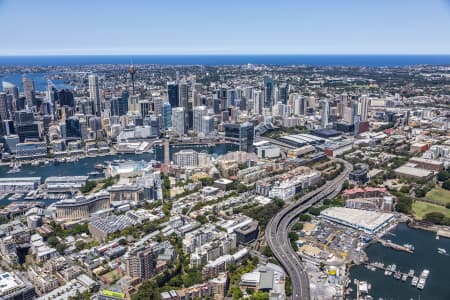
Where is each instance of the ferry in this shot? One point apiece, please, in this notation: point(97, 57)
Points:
point(414, 281)
point(442, 251)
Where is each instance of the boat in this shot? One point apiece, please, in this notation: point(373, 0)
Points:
point(35, 163)
point(94, 173)
point(404, 277)
point(414, 281)
point(393, 267)
point(421, 283)
point(99, 166)
point(442, 251)
point(425, 274)
point(411, 273)
point(397, 275)
point(409, 246)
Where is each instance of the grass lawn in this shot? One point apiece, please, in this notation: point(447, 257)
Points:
point(420, 209)
point(112, 276)
point(439, 194)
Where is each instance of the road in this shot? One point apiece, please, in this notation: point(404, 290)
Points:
point(279, 226)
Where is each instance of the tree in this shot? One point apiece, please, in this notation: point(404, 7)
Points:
point(304, 218)
point(443, 175)
point(434, 217)
point(148, 290)
point(446, 184)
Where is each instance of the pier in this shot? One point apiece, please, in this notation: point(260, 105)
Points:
point(394, 245)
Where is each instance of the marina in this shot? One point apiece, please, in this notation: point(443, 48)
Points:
point(426, 270)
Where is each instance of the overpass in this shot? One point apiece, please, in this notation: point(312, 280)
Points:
point(279, 226)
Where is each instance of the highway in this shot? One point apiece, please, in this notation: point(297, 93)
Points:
point(279, 226)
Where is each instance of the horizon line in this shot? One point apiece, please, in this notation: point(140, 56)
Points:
point(224, 54)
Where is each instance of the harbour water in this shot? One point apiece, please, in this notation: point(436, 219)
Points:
point(87, 164)
point(425, 256)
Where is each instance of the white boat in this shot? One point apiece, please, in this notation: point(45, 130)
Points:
point(442, 251)
point(425, 274)
point(414, 281)
point(409, 246)
point(411, 273)
point(421, 284)
point(404, 277)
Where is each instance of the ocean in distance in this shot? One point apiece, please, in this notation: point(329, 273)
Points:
point(218, 60)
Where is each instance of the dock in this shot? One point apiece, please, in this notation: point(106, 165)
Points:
point(443, 233)
point(394, 245)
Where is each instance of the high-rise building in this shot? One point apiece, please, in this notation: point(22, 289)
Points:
point(144, 108)
point(243, 134)
point(10, 88)
point(183, 94)
point(269, 85)
point(3, 107)
point(123, 103)
point(65, 97)
point(115, 106)
point(28, 90)
point(166, 115)
point(325, 112)
point(208, 124)
point(178, 120)
point(94, 93)
point(141, 263)
point(258, 102)
point(157, 105)
point(283, 93)
point(198, 113)
point(173, 94)
point(364, 107)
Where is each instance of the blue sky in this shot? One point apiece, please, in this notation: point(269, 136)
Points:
point(50, 27)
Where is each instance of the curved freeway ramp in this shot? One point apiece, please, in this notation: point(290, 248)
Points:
point(279, 226)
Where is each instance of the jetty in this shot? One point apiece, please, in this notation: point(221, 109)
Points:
point(394, 245)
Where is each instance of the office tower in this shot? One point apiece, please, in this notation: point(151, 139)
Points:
point(154, 126)
point(364, 107)
point(29, 91)
point(208, 125)
point(133, 103)
point(8, 127)
point(114, 106)
point(183, 94)
point(269, 85)
point(140, 263)
point(166, 115)
point(355, 110)
point(3, 107)
point(248, 93)
point(242, 134)
point(216, 104)
point(94, 93)
point(283, 93)
point(73, 128)
point(198, 113)
point(348, 115)
point(95, 123)
point(144, 108)
point(157, 105)
point(23, 117)
point(325, 112)
point(178, 120)
point(65, 97)
point(342, 104)
point(312, 102)
point(123, 103)
point(11, 89)
point(231, 96)
point(173, 94)
point(196, 92)
point(257, 102)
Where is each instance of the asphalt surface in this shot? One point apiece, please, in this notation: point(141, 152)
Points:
point(279, 226)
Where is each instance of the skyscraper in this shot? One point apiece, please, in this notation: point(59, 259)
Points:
point(94, 93)
point(123, 103)
point(28, 90)
point(364, 107)
point(166, 115)
point(258, 102)
point(178, 120)
point(11, 89)
point(283, 93)
point(173, 94)
point(198, 114)
point(242, 134)
point(140, 263)
point(325, 112)
point(3, 107)
point(269, 92)
point(183, 94)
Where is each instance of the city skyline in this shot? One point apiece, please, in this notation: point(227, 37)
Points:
point(202, 27)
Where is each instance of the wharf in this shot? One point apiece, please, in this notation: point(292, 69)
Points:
point(394, 245)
